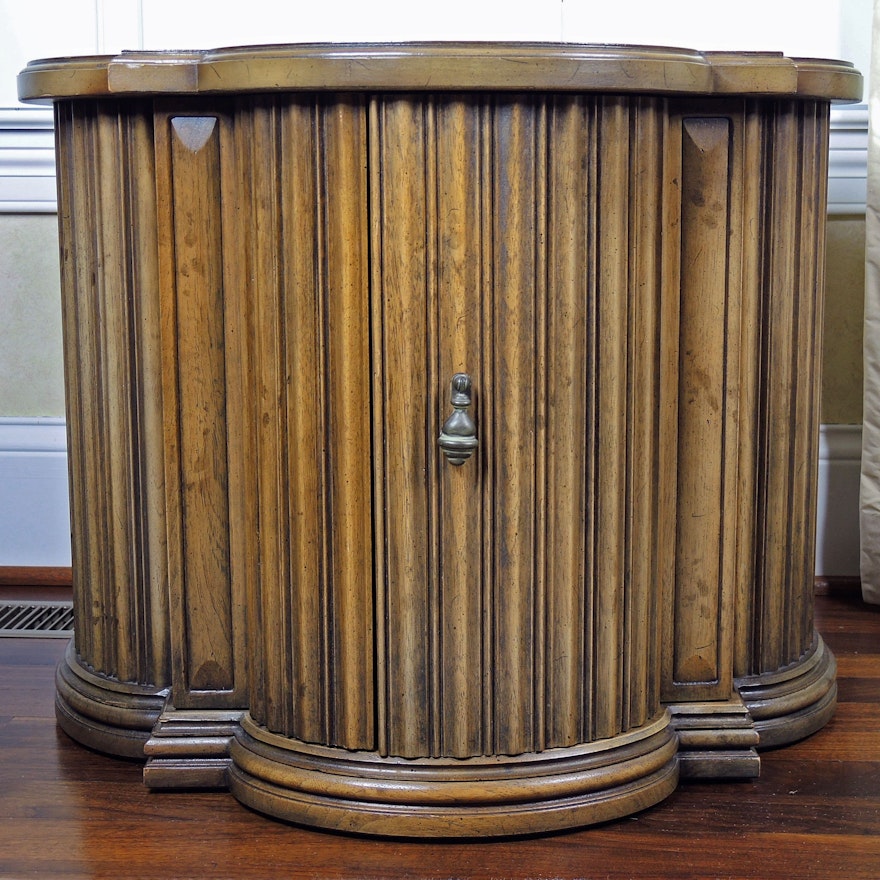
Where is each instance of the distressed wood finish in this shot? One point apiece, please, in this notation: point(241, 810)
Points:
point(194, 245)
point(115, 432)
point(311, 375)
point(782, 664)
point(503, 585)
point(282, 584)
point(547, 355)
point(700, 662)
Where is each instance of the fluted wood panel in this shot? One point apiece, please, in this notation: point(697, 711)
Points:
point(792, 138)
point(561, 603)
point(314, 614)
point(110, 312)
point(518, 300)
point(462, 525)
point(571, 405)
point(755, 230)
point(647, 337)
point(407, 592)
point(748, 421)
point(463, 276)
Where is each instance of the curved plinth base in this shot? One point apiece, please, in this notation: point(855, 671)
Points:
point(362, 792)
point(103, 713)
point(793, 702)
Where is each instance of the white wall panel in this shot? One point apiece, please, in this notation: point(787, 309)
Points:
point(31, 30)
point(34, 517)
point(789, 26)
point(837, 520)
point(208, 23)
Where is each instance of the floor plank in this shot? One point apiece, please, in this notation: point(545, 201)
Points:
point(814, 814)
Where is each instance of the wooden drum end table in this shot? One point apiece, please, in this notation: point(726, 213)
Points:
point(442, 422)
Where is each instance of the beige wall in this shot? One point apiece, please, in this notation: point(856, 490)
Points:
point(31, 382)
point(844, 318)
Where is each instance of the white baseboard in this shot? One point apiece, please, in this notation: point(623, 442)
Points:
point(35, 519)
point(837, 519)
point(34, 505)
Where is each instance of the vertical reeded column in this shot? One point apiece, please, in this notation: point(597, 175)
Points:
point(610, 449)
point(647, 335)
point(515, 321)
point(111, 327)
point(793, 136)
point(571, 404)
point(785, 672)
point(312, 612)
point(404, 314)
point(461, 524)
point(111, 682)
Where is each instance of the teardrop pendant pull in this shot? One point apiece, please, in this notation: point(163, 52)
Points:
point(458, 436)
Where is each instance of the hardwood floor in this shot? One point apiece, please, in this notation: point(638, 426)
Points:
point(813, 813)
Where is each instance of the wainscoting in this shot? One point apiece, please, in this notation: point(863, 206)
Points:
point(34, 507)
point(837, 517)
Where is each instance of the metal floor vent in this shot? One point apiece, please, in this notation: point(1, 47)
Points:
point(47, 618)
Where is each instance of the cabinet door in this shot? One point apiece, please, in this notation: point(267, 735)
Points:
point(517, 240)
point(308, 318)
point(401, 603)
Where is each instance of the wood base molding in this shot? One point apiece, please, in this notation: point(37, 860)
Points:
point(491, 796)
point(190, 749)
point(828, 585)
point(366, 792)
point(716, 740)
point(795, 701)
point(103, 713)
point(69, 811)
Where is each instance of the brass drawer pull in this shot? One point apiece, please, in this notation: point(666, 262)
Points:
point(458, 436)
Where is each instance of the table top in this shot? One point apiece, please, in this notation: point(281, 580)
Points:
point(438, 67)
